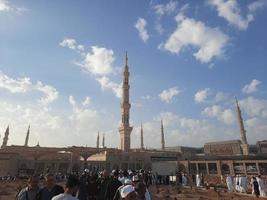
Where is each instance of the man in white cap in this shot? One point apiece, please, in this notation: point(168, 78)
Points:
point(118, 192)
point(128, 193)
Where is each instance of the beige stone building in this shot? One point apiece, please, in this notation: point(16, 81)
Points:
point(227, 157)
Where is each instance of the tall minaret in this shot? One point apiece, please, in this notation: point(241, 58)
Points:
point(142, 138)
point(125, 129)
point(97, 140)
point(5, 139)
point(103, 141)
point(244, 145)
point(162, 137)
point(27, 137)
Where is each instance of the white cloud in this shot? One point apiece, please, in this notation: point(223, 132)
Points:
point(69, 42)
point(181, 131)
point(230, 11)
point(87, 101)
point(78, 124)
point(99, 61)
point(4, 5)
point(220, 96)
point(158, 27)
point(256, 5)
point(254, 107)
point(72, 44)
point(108, 84)
point(208, 96)
point(256, 129)
point(82, 115)
point(168, 94)
point(23, 85)
point(50, 92)
point(141, 27)
point(189, 32)
point(161, 9)
point(202, 95)
point(251, 87)
point(146, 97)
point(44, 125)
point(227, 116)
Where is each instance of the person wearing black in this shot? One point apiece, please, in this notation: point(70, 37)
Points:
point(50, 190)
point(83, 193)
point(93, 187)
point(113, 186)
point(255, 186)
point(103, 185)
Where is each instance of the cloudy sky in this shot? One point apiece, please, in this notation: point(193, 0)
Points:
point(61, 63)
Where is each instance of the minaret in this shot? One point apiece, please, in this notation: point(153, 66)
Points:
point(162, 137)
point(97, 140)
point(142, 137)
point(5, 139)
point(27, 137)
point(244, 145)
point(103, 141)
point(125, 129)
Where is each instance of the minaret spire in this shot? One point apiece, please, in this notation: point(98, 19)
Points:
point(97, 140)
point(126, 59)
point(125, 129)
point(5, 139)
point(162, 137)
point(142, 137)
point(244, 145)
point(103, 141)
point(27, 137)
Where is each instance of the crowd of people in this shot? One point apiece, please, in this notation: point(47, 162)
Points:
point(117, 185)
point(240, 183)
point(124, 185)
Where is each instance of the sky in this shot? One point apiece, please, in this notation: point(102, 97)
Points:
point(61, 70)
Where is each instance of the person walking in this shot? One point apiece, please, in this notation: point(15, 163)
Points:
point(71, 188)
point(103, 185)
point(50, 190)
point(128, 193)
point(30, 192)
point(262, 187)
point(255, 187)
point(198, 180)
point(229, 183)
point(113, 186)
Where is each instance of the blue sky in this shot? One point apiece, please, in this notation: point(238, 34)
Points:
point(61, 62)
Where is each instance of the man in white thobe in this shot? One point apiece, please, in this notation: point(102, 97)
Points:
point(229, 182)
point(243, 184)
point(262, 188)
point(198, 180)
point(184, 180)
